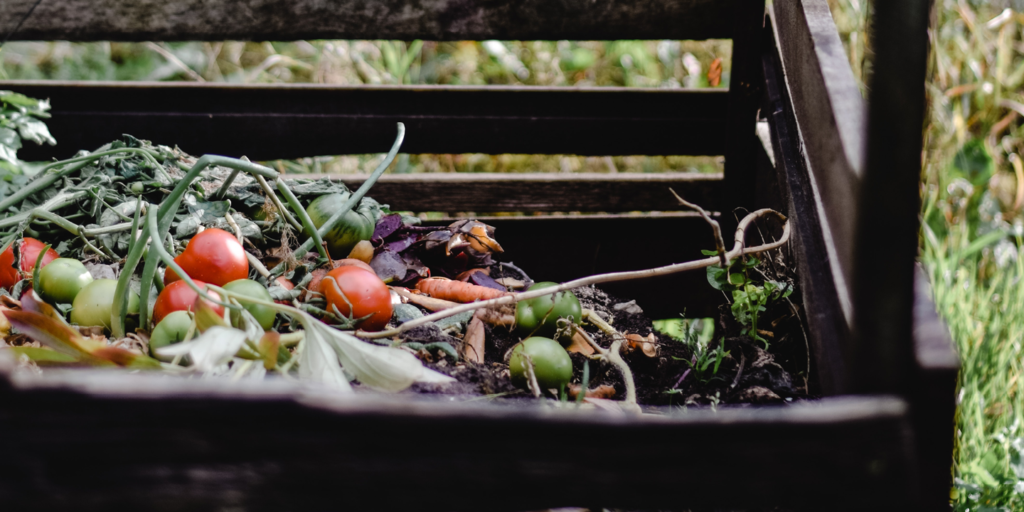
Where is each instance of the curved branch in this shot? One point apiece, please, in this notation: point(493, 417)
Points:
point(737, 250)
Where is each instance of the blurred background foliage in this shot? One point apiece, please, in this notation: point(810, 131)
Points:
point(972, 184)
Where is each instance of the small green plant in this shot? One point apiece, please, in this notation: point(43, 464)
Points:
point(705, 362)
point(696, 334)
point(748, 299)
point(20, 119)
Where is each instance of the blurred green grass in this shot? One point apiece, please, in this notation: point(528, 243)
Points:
point(972, 180)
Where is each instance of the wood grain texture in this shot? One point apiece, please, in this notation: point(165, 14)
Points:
point(536, 192)
point(153, 443)
point(826, 325)
point(830, 114)
point(292, 121)
point(286, 20)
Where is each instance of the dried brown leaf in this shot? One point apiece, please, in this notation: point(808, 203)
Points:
point(580, 345)
point(473, 342)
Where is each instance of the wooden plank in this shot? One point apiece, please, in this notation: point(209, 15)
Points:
point(290, 121)
point(538, 192)
point(102, 440)
point(445, 20)
point(745, 90)
point(827, 328)
point(830, 117)
point(933, 396)
point(890, 202)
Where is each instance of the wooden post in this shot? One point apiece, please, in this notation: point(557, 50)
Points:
point(745, 86)
point(889, 203)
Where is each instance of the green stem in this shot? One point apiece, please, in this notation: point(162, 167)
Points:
point(352, 200)
point(277, 203)
point(223, 190)
point(171, 202)
point(57, 202)
point(35, 268)
point(120, 304)
point(102, 253)
point(148, 277)
point(44, 180)
point(71, 227)
point(307, 223)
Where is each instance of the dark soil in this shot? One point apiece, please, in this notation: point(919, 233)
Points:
point(749, 373)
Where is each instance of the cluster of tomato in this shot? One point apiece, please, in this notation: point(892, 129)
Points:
point(214, 257)
point(351, 289)
point(61, 280)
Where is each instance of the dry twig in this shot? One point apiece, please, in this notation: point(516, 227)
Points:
point(738, 249)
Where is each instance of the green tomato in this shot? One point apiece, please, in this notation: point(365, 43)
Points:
point(172, 329)
point(356, 225)
point(62, 279)
point(539, 316)
point(551, 363)
point(249, 288)
point(95, 302)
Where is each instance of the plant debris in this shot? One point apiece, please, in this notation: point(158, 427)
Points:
point(129, 208)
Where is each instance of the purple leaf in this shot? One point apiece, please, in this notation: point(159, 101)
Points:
point(387, 225)
point(401, 244)
point(388, 266)
point(482, 279)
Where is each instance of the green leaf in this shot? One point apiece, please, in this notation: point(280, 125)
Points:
point(33, 129)
point(718, 278)
point(385, 368)
point(974, 162)
point(706, 252)
point(20, 100)
point(318, 362)
point(44, 356)
point(982, 242)
point(52, 333)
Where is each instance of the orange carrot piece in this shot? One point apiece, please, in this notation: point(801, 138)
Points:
point(457, 291)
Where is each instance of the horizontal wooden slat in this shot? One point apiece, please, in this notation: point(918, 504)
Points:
point(830, 113)
point(290, 121)
point(283, 20)
point(538, 192)
point(98, 441)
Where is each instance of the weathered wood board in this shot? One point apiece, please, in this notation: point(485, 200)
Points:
point(443, 20)
point(266, 122)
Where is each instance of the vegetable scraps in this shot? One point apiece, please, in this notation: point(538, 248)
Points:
point(222, 267)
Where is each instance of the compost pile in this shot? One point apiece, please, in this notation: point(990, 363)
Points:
point(140, 256)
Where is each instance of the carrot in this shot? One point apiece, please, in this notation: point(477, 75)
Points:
point(457, 291)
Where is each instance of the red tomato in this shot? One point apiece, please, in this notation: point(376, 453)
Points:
point(178, 296)
point(29, 249)
point(367, 293)
point(214, 256)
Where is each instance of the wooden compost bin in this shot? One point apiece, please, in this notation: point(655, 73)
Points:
point(845, 173)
